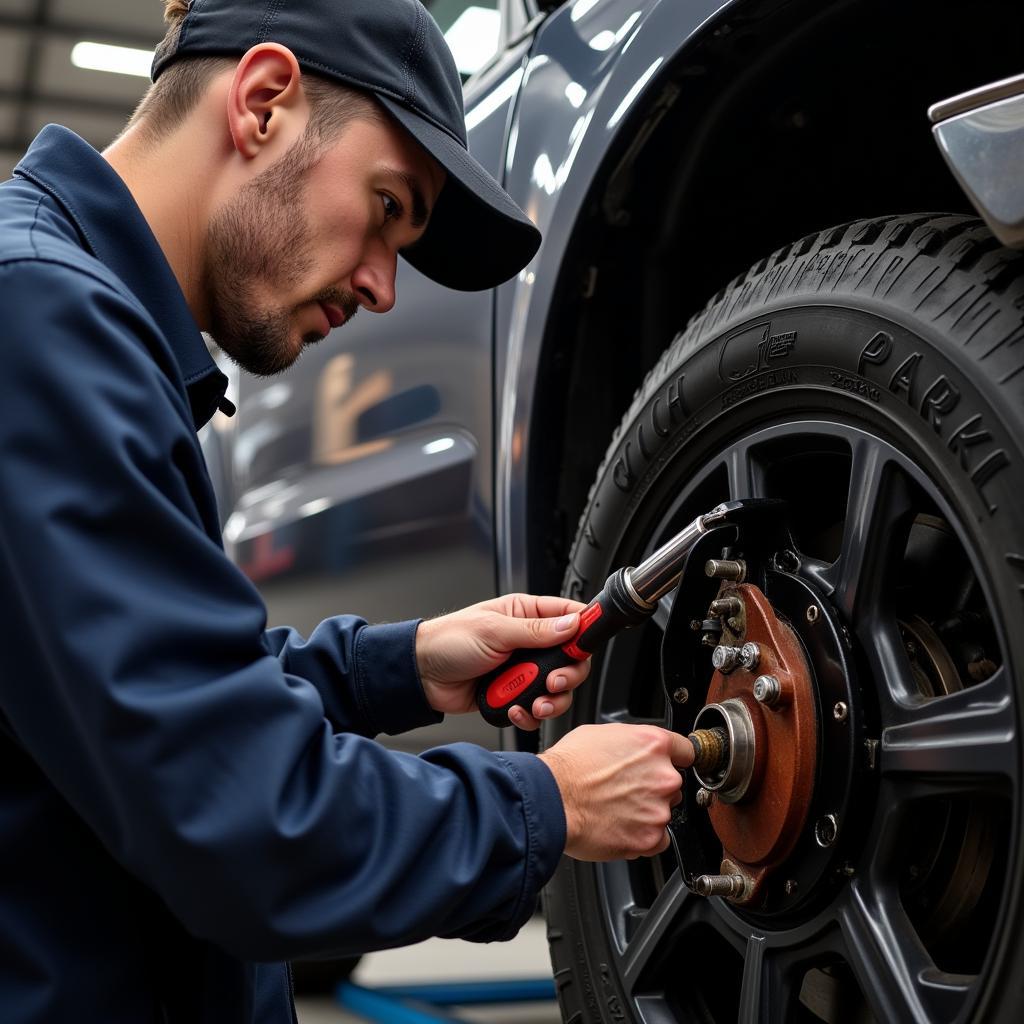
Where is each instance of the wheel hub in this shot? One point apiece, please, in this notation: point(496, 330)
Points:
point(763, 824)
point(763, 794)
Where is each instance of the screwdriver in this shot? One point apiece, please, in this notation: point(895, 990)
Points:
point(629, 596)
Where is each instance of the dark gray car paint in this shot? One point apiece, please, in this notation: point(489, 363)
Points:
point(551, 136)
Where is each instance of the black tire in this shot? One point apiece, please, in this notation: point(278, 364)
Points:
point(899, 340)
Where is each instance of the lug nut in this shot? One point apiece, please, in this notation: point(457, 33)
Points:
point(825, 830)
point(726, 606)
point(767, 690)
point(725, 658)
point(750, 655)
point(787, 561)
point(726, 569)
point(812, 614)
point(681, 696)
point(840, 711)
point(704, 797)
point(719, 885)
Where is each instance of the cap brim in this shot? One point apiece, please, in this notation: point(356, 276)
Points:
point(477, 236)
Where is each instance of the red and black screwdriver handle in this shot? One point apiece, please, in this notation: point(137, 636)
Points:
point(524, 676)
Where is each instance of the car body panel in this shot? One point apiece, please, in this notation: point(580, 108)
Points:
point(592, 64)
point(981, 136)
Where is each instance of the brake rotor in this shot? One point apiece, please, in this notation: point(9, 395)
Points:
point(760, 824)
point(950, 866)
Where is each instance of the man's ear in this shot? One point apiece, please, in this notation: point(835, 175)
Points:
point(266, 104)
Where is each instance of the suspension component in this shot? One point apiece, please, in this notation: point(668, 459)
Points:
point(710, 750)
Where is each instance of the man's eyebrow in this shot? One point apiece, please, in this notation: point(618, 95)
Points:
point(420, 213)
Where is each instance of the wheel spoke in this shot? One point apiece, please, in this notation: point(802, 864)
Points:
point(894, 971)
point(655, 936)
point(878, 505)
point(744, 475)
point(957, 740)
point(890, 666)
point(766, 992)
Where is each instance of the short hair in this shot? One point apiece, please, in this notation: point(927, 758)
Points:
point(178, 90)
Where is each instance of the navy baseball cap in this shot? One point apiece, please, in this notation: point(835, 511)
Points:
point(477, 236)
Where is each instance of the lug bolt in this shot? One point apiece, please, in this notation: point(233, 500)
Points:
point(767, 690)
point(726, 569)
point(719, 885)
point(825, 830)
point(704, 797)
point(750, 655)
point(725, 658)
point(787, 560)
point(790, 887)
point(840, 712)
point(812, 614)
point(681, 696)
point(695, 625)
point(726, 606)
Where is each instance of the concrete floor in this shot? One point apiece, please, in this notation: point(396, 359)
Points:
point(526, 956)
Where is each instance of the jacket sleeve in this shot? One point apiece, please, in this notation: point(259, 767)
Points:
point(136, 671)
point(366, 675)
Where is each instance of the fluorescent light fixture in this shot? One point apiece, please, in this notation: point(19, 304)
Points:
point(120, 60)
point(473, 38)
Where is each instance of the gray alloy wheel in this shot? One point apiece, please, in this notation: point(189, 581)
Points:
point(871, 375)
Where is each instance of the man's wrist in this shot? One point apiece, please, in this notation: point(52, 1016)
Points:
point(562, 771)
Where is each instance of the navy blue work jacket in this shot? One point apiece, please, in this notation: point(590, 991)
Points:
point(188, 799)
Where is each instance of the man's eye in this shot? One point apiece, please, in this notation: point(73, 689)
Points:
point(392, 207)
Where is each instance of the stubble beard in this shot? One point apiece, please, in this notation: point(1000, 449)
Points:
point(256, 244)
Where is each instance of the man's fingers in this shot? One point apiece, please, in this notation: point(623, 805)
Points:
point(566, 679)
point(660, 848)
point(551, 707)
point(522, 720)
point(682, 752)
point(548, 607)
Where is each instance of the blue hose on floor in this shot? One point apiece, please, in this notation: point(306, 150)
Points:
point(415, 1004)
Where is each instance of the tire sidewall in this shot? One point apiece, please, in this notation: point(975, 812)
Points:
point(797, 357)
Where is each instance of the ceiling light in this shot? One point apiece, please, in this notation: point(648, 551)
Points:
point(120, 60)
point(473, 38)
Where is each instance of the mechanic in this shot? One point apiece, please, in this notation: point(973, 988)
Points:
point(188, 799)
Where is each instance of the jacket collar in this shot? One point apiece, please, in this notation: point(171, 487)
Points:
point(113, 229)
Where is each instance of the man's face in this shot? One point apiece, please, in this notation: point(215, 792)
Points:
point(312, 238)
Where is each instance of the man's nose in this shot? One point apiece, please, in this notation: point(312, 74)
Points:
point(374, 280)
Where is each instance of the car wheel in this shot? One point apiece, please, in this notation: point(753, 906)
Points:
point(872, 376)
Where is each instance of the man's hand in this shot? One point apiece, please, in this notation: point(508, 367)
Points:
point(454, 650)
point(619, 784)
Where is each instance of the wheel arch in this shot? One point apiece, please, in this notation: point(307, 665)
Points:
point(722, 139)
